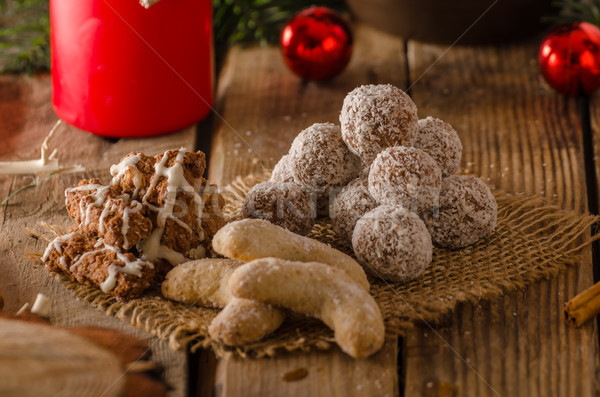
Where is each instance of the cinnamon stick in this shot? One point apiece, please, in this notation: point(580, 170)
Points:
point(583, 307)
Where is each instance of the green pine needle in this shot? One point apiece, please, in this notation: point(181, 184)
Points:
point(576, 11)
point(24, 36)
point(13, 194)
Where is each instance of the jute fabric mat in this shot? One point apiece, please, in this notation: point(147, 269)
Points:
point(533, 240)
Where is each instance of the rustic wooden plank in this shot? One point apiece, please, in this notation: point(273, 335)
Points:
point(519, 138)
point(261, 107)
point(26, 118)
point(330, 373)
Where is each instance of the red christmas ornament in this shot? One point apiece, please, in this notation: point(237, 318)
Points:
point(316, 44)
point(569, 59)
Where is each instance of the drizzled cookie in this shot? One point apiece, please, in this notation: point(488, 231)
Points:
point(155, 213)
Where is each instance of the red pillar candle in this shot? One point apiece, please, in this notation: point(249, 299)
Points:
point(121, 70)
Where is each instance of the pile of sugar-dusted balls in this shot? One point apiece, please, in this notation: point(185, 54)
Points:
point(385, 178)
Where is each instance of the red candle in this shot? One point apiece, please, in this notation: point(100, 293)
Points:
point(121, 70)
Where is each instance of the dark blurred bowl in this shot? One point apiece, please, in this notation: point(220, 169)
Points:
point(446, 21)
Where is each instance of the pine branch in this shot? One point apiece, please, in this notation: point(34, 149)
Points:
point(576, 11)
point(24, 36)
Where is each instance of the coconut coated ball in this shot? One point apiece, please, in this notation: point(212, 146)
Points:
point(351, 203)
point(375, 117)
point(319, 158)
point(468, 211)
point(393, 243)
point(285, 204)
point(407, 177)
point(282, 171)
point(438, 139)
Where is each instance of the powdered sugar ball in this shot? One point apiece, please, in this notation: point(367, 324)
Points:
point(374, 117)
point(393, 243)
point(438, 139)
point(319, 158)
point(352, 202)
point(282, 171)
point(467, 212)
point(285, 204)
point(407, 177)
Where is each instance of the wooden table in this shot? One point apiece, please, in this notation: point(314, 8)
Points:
point(517, 135)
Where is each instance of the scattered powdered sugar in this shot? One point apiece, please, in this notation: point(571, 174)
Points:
point(393, 243)
point(352, 202)
point(438, 139)
point(407, 177)
point(467, 212)
point(282, 171)
point(320, 159)
point(374, 117)
point(285, 204)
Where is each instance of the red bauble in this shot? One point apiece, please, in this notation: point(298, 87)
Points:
point(316, 44)
point(569, 59)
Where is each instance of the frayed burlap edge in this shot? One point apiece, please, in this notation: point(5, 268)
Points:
point(533, 240)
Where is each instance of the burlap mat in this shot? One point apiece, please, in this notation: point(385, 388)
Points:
point(533, 240)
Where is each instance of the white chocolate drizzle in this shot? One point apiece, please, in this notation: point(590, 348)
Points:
point(108, 209)
point(57, 243)
point(133, 267)
point(137, 207)
point(151, 247)
point(129, 163)
point(100, 199)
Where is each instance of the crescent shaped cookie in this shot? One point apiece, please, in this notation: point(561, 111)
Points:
point(317, 290)
point(250, 239)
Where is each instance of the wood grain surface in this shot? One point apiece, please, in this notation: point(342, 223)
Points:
point(523, 138)
point(517, 135)
point(26, 117)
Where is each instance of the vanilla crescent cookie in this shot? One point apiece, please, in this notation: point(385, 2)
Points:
point(200, 282)
point(204, 282)
point(244, 321)
point(317, 290)
point(250, 239)
point(374, 117)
